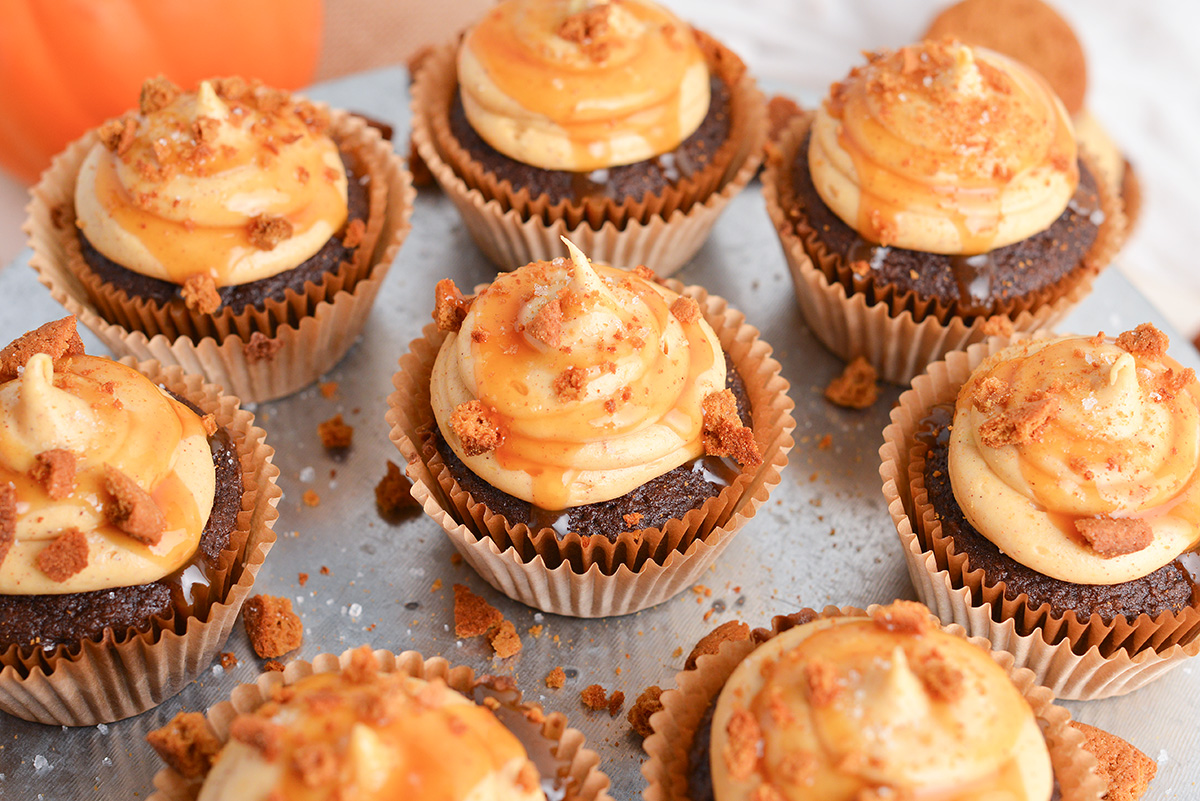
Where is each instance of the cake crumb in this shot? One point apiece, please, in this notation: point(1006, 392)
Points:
point(556, 678)
point(1111, 537)
point(393, 493)
point(473, 616)
point(65, 556)
point(594, 697)
point(311, 498)
point(200, 293)
point(274, 629)
point(646, 705)
point(504, 639)
point(335, 434)
point(905, 617)
point(355, 230)
point(260, 348)
point(723, 432)
point(266, 232)
point(476, 427)
point(131, 509)
point(1123, 767)
point(55, 471)
point(615, 702)
point(186, 744)
point(58, 339)
point(229, 660)
point(328, 389)
point(855, 388)
point(1145, 341)
point(729, 631)
point(450, 306)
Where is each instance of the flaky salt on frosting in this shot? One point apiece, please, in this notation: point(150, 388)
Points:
point(65, 425)
point(571, 383)
point(1077, 456)
point(234, 181)
point(841, 708)
point(581, 85)
point(367, 735)
point(944, 148)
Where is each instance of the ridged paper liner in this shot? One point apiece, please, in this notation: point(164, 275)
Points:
point(674, 727)
point(587, 781)
point(897, 334)
point(600, 577)
point(663, 231)
point(310, 332)
point(124, 674)
point(1112, 659)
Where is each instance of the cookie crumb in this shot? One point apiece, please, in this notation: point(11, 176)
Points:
point(200, 293)
point(259, 733)
point(274, 629)
point(632, 519)
point(393, 493)
point(729, 631)
point(615, 702)
point(450, 306)
point(354, 233)
point(594, 697)
point(335, 434)
point(1111, 537)
point(131, 508)
point(645, 273)
point(820, 678)
point(363, 665)
point(476, 427)
point(55, 471)
point(723, 432)
point(943, 681)
point(546, 325)
point(1145, 341)
point(504, 639)
point(556, 678)
point(686, 310)
point(229, 660)
point(905, 617)
point(741, 750)
point(570, 384)
point(1019, 423)
point(58, 339)
point(66, 555)
point(157, 93)
point(302, 579)
point(260, 348)
point(209, 422)
point(311, 498)
point(118, 135)
point(273, 666)
point(855, 388)
point(328, 389)
point(997, 326)
point(8, 519)
point(1123, 767)
point(187, 744)
point(266, 232)
point(989, 393)
point(646, 705)
point(473, 616)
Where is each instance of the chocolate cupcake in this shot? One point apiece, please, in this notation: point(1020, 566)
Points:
point(614, 124)
point(1058, 493)
point(226, 214)
point(939, 182)
point(582, 432)
point(375, 725)
point(847, 704)
point(122, 526)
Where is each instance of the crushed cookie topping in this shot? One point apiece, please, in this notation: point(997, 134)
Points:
point(132, 509)
point(476, 427)
point(1111, 537)
point(450, 305)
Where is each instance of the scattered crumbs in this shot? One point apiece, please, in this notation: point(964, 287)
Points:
point(646, 705)
point(556, 678)
point(229, 660)
point(311, 498)
point(615, 703)
point(436, 585)
point(813, 477)
point(335, 434)
point(678, 652)
point(324, 570)
point(535, 631)
point(393, 493)
point(826, 442)
point(328, 388)
point(302, 579)
point(855, 388)
point(594, 697)
point(273, 666)
point(456, 559)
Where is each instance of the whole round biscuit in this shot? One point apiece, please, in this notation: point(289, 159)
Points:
point(1027, 30)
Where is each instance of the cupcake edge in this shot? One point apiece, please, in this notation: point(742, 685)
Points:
point(1069, 675)
point(107, 681)
point(674, 726)
point(583, 764)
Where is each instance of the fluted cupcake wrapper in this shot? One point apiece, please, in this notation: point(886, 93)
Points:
point(898, 332)
point(125, 673)
point(663, 230)
point(674, 727)
point(578, 766)
point(262, 353)
point(597, 577)
point(1080, 659)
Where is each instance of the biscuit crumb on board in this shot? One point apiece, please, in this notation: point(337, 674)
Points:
point(1111, 537)
point(646, 705)
point(311, 498)
point(274, 629)
point(729, 631)
point(335, 433)
point(186, 744)
point(55, 471)
point(594, 697)
point(556, 678)
point(58, 339)
point(473, 616)
point(131, 509)
point(504, 639)
point(723, 433)
point(1124, 768)
point(260, 348)
point(200, 293)
point(476, 427)
point(229, 660)
point(66, 555)
point(328, 389)
point(615, 702)
point(855, 388)
point(273, 666)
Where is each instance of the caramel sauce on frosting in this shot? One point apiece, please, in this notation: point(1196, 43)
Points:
point(104, 413)
point(635, 412)
point(392, 737)
point(944, 148)
point(840, 707)
point(183, 197)
point(581, 85)
point(1120, 441)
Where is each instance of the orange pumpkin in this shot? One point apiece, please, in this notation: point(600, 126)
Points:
point(68, 65)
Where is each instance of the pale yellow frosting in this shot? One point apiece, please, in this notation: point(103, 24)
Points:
point(944, 148)
point(886, 723)
point(1114, 446)
point(625, 90)
point(637, 415)
point(433, 745)
point(129, 424)
point(171, 206)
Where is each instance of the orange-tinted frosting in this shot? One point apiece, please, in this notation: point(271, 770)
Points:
point(380, 738)
point(634, 411)
point(104, 413)
point(944, 148)
point(185, 191)
point(582, 85)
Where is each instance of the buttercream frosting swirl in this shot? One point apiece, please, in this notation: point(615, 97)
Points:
point(1077, 456)
point(234, 182)
point(389, 736)
point(105, 414)
point(581, 85)
point(840, 707)
point(944, 148)
point(607, 399)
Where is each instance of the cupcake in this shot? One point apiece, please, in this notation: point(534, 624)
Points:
point(937, 196)
point(849, 705)
point(136, 507)
point(588, 437)
point(373, 725)
point(613, 123)
point(236, 230)
point(1046, 496)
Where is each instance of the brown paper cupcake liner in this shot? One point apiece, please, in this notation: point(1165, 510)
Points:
point(675, 726)
point(578, 765)
point(1077, 659)
point(126, 673)
point(598, 577)
point(511, 230)
point(852, 323)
